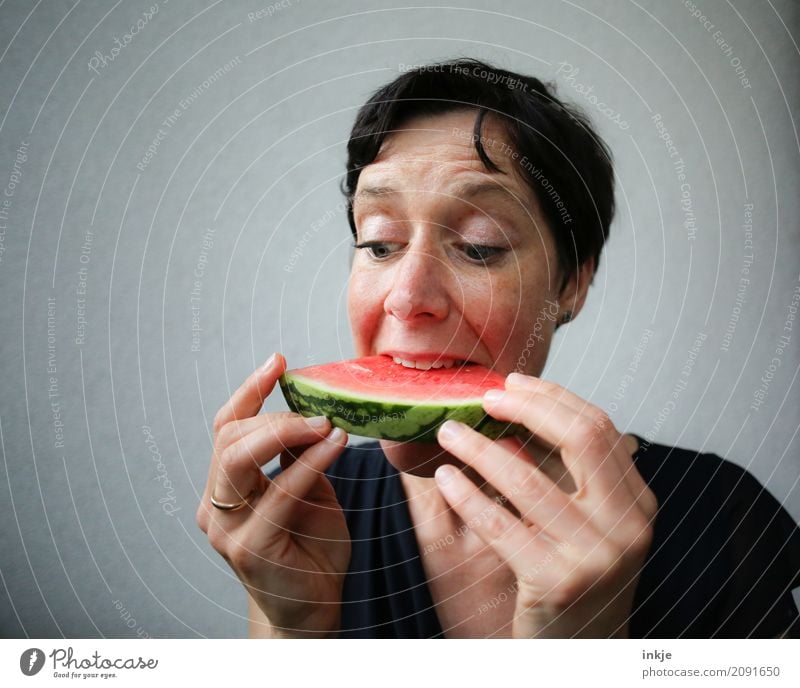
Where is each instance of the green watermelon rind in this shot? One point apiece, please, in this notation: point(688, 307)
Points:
point(388, 419)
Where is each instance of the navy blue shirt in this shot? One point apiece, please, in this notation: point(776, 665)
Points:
point(724, 558)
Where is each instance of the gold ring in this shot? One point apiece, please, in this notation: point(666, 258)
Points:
point(222, 506)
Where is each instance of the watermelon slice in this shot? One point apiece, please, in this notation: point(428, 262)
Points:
point(376, 397)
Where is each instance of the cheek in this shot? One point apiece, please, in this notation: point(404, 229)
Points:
point(364, 307)
point(493, 303)
point(503, 312)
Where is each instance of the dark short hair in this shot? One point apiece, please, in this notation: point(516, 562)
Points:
point(564, 161)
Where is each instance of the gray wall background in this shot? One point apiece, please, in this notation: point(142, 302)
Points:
point(106, 399)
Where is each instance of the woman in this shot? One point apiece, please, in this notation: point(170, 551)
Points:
point(480, 204)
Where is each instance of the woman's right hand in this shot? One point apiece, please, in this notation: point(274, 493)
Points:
point(289, 545)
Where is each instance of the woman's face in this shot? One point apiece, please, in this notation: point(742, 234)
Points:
point(459, 263)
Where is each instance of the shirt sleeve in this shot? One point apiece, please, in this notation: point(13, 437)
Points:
point(763, 557)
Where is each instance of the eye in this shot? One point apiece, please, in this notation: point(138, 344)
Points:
point(482, 254)
point(379, 250)
point(476, 253)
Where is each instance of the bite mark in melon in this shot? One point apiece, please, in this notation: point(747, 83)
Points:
point(376, 397)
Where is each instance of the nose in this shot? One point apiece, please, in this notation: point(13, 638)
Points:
point(418, 289)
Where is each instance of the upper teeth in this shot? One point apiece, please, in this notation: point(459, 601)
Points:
point(426, 365)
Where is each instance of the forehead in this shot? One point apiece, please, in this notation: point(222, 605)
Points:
point(438, 152)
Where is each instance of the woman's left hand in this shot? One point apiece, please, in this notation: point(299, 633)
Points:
point(576, 556)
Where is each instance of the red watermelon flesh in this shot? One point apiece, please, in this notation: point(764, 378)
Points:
point(376, 397)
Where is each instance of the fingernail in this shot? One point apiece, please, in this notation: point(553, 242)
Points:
point(336, 435)
point(444, 474)
point(521, 380)
point(317, 422)
point(270, 362)
point(451, 429)
point(493, 395)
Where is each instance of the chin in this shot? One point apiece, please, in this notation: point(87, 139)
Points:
point(417, 458)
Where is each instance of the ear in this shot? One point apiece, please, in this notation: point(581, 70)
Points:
point(573, 295)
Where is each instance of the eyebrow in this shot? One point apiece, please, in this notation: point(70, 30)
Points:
point(467, 190)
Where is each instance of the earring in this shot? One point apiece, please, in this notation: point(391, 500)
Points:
point(566, 318)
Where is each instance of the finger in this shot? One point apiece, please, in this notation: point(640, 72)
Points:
point(278, 504)
point(617, 504)
point(232, 432)
point(229, 433)
point(237, 430)
point(636, 483)
point(534, 494)
point(240, 463)
point(249, 398)
point(526, 383)
point(537, 384)
point(520, 546)
point(545, 458)
point(585, 450)
point(613, 514)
